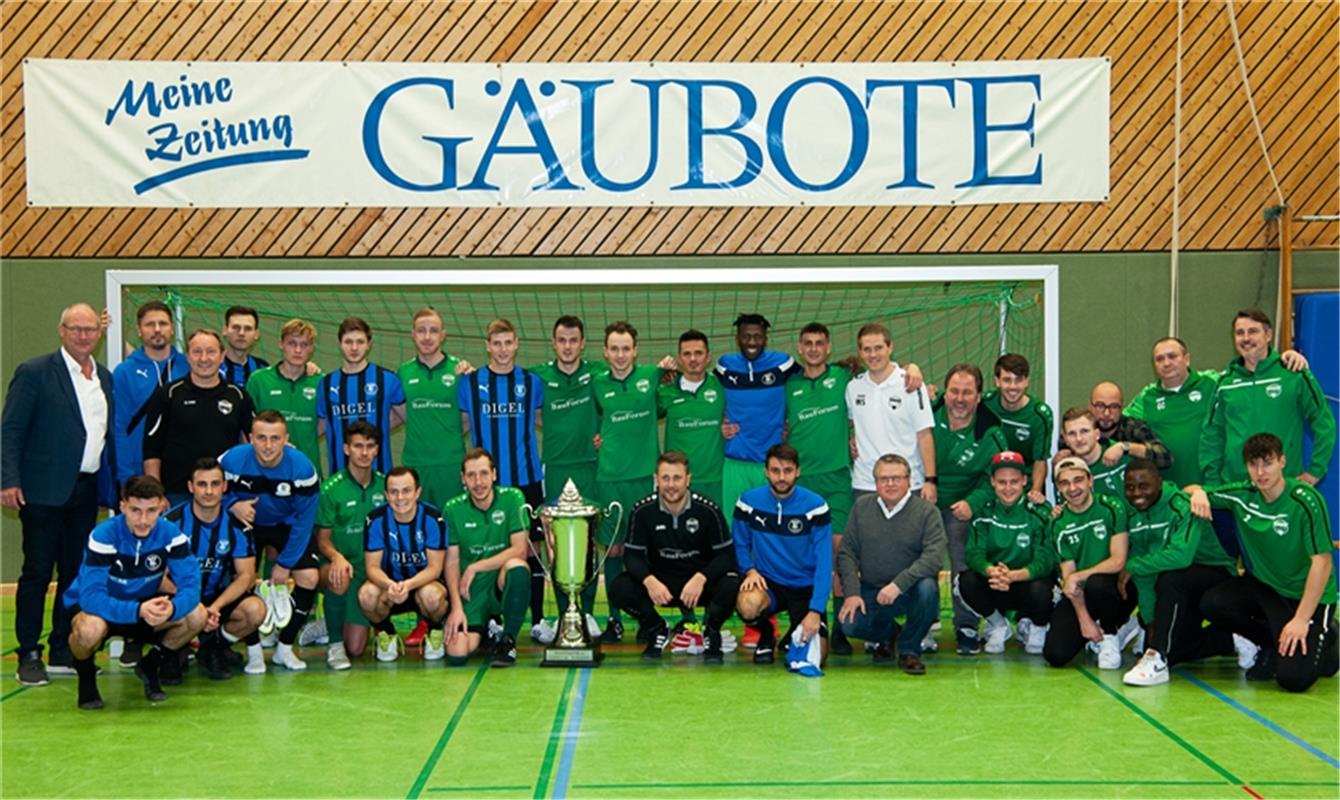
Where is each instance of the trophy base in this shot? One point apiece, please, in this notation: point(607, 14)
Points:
point(586, 656)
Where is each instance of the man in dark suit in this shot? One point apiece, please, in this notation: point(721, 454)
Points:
point(54, 436)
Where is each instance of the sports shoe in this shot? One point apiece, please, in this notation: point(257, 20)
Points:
point(336, 657)
point(147, 672)
point(1022, 626)
point(169, 668)
point(60, 663)
point(882, 653)
point(504, 655)
point(1150, 670)
point(266, 593)
point(1246, 651)
point(285, 657)
point(1263, 669)
point(712, 651)
point(837, 642)
point(767, 642)
point(388, 646)
point(592, 626)
point(32, 672)
point(1128, 631)
point(255, 660)
point(415, 637)
point(283, 605)
point(969, 643)
point(1037, 638)
point(656, 640)
point(270, 639)
point(751, 634)
point(543, 632)
point(130, 654)
point(313, 632)
point(214, 662)
point(434, 649)
point(613, 631)
point(1109, 652)
point(997, 632)
point(929, 644)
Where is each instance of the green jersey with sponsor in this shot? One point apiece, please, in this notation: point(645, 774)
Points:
point(570, 419)
point(1279, 538)
point(629, 443)
point(693, 425)
point(433, 435)
point(1013, 535)
point(296, 400)
point(1085, 537)
point(1167, 536)
point(483, 533)
point(816, 419)
point(1177, 417)
point(962, 458)
point(1028, 431)
point(343, 507)
point(1110, 481)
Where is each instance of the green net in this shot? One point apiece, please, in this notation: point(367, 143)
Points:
point(934, 324)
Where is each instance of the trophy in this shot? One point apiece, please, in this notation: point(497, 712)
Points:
point(570, 564)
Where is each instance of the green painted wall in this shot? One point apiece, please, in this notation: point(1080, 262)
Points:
point(1113, 305)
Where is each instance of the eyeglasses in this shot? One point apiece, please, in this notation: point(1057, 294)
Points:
point(81, 330)
point(892, 478)
point(1105, 406)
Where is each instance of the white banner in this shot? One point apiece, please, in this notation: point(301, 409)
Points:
point(218, 134)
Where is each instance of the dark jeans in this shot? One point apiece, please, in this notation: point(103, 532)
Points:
point(921, 604)
point(1105, 605)
point(1032, 599)
point(1252, 609)
point(1177, 632)
point(718, 596)
point(54, 537)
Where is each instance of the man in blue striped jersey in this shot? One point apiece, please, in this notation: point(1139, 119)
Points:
point(358, 390)
point(242, 329)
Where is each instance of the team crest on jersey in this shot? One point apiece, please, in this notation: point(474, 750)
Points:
point(691, 525)
point(225, 407)
point(378, 499)
point(795, 525)
point(222, 546)
point(1021, 434)
point(1281, 526)
point(768, 379)
point(309, 392)
point(418, 539)
point(1274, 390)
point(710, 395)
point(283, 489)
point(448, 379)
point(860, 399)
point(520, 390)
point(829, 382)
point(643, 385)
point(895, 402)
point(1100, 531)
point(1194, 396)
point(153, 562)
point(1022, 540)
point(1162, 403)
point(370, 388)
point(498, 517)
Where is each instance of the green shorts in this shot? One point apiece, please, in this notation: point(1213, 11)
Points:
point(353, 552)
point(556, 476)
point(440, 483)
point(485, 599)
point(835, 488)
point(627, 494)
point(738, 477)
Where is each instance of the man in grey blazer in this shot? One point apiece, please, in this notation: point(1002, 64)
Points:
point(55, 446)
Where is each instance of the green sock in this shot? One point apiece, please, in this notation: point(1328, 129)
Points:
point(515, 600)
point(334, 611)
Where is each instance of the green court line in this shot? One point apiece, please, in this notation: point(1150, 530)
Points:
point(442, 740)
point(1297, 783)
point(927, 782)
point(19, 690)
point(555, 733)
point(1161, 728)
point(477, 788)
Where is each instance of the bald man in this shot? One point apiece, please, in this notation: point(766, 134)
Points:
point(1127, 436)
point(56, 445)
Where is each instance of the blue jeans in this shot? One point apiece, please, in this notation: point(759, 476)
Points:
point(921, 605)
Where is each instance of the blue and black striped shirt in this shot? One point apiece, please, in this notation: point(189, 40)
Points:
point(502, 410)
point(367, 396)
point(404, 545)
point(237, 374)
point(215, 545)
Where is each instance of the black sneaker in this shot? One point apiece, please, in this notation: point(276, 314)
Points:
point(657, 639)
point(613, 632)
point(131, 653)
point(837, 643)
point(504, 652)
point(882, 654)
point(169, 670)
point(32, 672)
point(712, 646)
point(215, 661)
point(60, 663)
point(1264, 668)
point(147, 671)
point(969, 643)
point(767, 642)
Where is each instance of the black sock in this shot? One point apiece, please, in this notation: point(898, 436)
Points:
point(386, 626)
point(303, 600)
point(252, 639)
point(88, 682)
point(537, 599)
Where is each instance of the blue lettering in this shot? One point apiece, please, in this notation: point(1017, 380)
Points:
point(980, 129)
point(520, 98)
point(696, 133)
point(174, 96)
point(372, 145)
point(860, 134)
point(910, 108)
point(588, 134)
point(164, 137)
point(131, 104)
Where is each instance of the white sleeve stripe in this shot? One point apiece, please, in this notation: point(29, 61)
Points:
point(180, 539)
point(102, 548)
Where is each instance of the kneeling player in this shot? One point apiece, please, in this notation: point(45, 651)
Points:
point(404, 550)
point(678, 553)
point(488, 539)
point(227, 567)
point(121, 591)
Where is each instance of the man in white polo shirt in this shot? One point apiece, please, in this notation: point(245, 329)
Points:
point(887, 418)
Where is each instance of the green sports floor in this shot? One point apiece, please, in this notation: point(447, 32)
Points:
point(989, 726)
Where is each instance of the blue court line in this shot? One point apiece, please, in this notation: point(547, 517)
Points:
point(560, 791)
point(1298, 740)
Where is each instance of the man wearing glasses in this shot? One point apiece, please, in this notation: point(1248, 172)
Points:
point(1126, 435)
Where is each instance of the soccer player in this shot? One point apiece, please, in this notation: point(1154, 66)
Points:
point(196, 417)
point(290, 388)
point(967, 436)
point(1124, 435)
point(242, 327)
point(347, 498)
point(1090, 540)
point(434, 442)
point(405, 546)
point(627, 445)
point(121, 590)
point(1106, 460)
point(694, 403)
point(1027, 422)
point(153, 364)
point(227, 567)
point(1285, 602)
point(487, 573)
point(679, 553)
point(358, 390)
point(1258, 394)
point(1009, 558)
point(888, 416)
point(273, 489)
point(1174, 560)
point(783, 545)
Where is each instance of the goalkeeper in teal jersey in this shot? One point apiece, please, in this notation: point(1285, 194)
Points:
point(434, 440)
point(289, 388)
point(693, 404)
point(1027, 422)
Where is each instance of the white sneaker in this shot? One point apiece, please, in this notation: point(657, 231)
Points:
point(434, 648)
point(543, 631)
point(270, 639)
point(1109, 653)
point(1037, 638)
point(1150, 670)
point(935, 626)
point(1128, 631)
point(1247, 651)
point(593, 626)
point(313, 632)
point(495, 631)
point(285, 657)
point(263, 591)
point(255, 660)
point(1022, 627)
point(283, 604)
point(928, 645)
point(997, 632)
point(388, 646)
point(336, 658)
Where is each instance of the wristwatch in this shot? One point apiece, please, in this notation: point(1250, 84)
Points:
point(1126, 448)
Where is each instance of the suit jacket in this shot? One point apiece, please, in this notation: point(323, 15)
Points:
point(42, 434)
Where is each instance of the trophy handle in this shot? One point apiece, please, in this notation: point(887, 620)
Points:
point(543, 557)
point(618, 533)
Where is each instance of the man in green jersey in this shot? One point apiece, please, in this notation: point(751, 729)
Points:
point(627, 443)
point(693, 404)
point(817, 426)
point(1106, 461)
point(1175, 558)
point(1027, 422)
point(347, 497)
point(434, 441)
point(487, 573)
point(1090, 542)
point(290, 388)
point(1285, 603)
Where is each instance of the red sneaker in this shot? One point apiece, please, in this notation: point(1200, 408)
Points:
point(750, 640)
point(415, 637)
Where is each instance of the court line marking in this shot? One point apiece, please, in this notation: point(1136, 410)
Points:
point(431, 763)
point(478, 788)
point(10, 694)
point(927, 782)
point(1257, 717)
point(555, 733)
point(574, 728)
